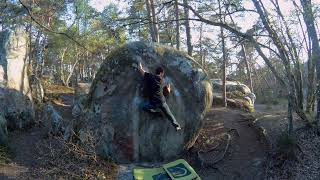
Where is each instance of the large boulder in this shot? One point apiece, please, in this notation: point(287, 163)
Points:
point(15, 94)
point(238, 95)
point(116, 122)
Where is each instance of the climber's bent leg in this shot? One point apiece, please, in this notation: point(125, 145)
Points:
point(147, 106)
point(166, 110)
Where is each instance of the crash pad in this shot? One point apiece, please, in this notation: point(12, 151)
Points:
point(150, 174)
point(176, 170)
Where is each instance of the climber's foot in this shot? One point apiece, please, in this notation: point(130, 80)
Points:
point(178, 128)
point(153, 110)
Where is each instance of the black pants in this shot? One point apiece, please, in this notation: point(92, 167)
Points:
point(165, 109)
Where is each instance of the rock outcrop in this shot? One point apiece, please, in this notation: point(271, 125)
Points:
point(238, 95)
point(3, 130)
point(52, 120)
point(15, 94)
point(114, 119)
point(37, 90)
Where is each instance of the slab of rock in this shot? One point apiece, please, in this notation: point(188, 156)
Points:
point(15, 93)
point(37, 90)
point(238, 95)
point(119, 126)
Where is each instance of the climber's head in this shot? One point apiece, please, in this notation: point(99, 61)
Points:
point(160, 71)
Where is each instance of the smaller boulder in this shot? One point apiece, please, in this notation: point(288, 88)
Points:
point(52, 120)
point(82, 88)
point(37, 91)
point(78, 106)
point(238, 95)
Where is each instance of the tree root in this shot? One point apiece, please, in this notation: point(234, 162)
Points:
point(211, 149)
point(218, 159)
point(230, 130)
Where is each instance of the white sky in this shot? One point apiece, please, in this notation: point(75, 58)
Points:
point(100, 4)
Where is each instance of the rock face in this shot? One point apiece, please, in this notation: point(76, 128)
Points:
point(3, 130)
point(37, 90)
point(52, 120)
point(238, 94)
point(15, 94)
point(114, 117)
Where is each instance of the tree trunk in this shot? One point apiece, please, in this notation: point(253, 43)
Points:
point(247, 66)
point(154, 21)
point(224, 64)
point(311, 69)
point(150, 19)
point(62, 78)
point(177, 25)
point(37, 53)
point(201, 50)
point(290, 116)
point(42, 51)
point(315, 49)
point(72, 71)
point(30, 50)
point(187, 24)
point(311, 82)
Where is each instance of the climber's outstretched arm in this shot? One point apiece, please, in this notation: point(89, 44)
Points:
point(140, 69)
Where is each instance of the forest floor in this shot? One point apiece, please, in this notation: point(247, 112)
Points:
point(246, 155)
point(37, 156)
point(229, 146)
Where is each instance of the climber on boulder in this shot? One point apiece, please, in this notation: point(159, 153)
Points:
point(157, 100)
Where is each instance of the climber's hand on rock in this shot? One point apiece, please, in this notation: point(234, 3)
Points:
point(169, 87)
point(140, 68)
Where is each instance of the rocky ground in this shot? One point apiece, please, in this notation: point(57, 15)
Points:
point(232, 145)
point(37, 156)
point(294, 158)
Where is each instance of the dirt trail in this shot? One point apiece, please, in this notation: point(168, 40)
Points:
point(247, 154)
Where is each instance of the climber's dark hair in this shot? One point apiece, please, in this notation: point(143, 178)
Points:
point(159, 70)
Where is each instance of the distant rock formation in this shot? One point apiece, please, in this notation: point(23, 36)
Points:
point(52, 120)
point(238, 95)
point(113, 117)
point(15, 93)
point(37, 90)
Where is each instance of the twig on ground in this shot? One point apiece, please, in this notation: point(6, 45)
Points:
point(211, 149)
point(234, 130)
point(211, 164)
